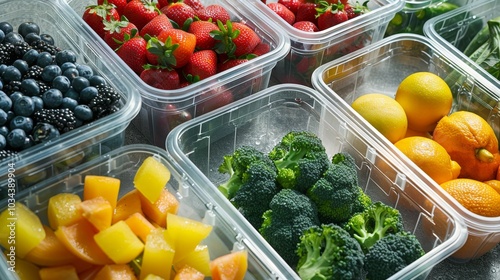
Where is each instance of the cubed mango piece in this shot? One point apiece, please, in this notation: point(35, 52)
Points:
point(233, 265)
point(151, 178)
point(139, 225)
point(63, 210)
point(127, 205)
point(157, 211)
point(98, 211)
point(199, 259)
point(105, 186)
point(119, 243)
point(188, 273)
point(66, 272)
point(115, 271)
point(158, 255)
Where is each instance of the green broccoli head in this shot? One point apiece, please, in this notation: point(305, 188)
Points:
point(237, 165)
point(329, 252)
point(376, 222)
point(290, 214)
point(335, 193)
point(362, 202)
point(391, 254)
point(300, 159)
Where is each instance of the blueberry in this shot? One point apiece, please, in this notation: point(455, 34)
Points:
point(87, 94)
point(83, 112)
point(65, 56)
point(31, 56)
point(15, 95)
point(10, 116)
point(13, 38)
point(85, 70)
point(49, 72)
point(79, 83)
point(69, 103)
point(4, 130)
point(38, 101)
point(11, 74)
point(67, 65)
point(30, 87)
point(28, 142)
point(24, 106)
point(6, 27)
point(44, 132)
point(97, 80)
point(61, 83)
point(21, 65)
point(2, 35)
point(16, 138)
point(5, 101)
point(47, 38)
point(72, 93)
point(1, 84)
point(3, 67)
point(71, 73)
point(32, 37)
point(3, 142)
point(44, 59)
point(3, 117)
point(28, 27)
point(21, 122)
point(52, 98)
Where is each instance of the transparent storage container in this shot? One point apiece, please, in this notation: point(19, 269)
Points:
point(455, 30)
point(381, 68)
point(264, 118)
point(311, 49)
point(85, 142)
point(195, 202)
point(164, 109)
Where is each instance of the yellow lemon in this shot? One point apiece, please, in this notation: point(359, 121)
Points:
point(383, 113)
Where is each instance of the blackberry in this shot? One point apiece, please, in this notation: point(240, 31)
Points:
point(106, 102)
point(6, 53)
point(42, 46)
point(62, 119)
point(20, 48)
point(12, 86)
point(7, 154)
point(43, 86)
point(34, 72)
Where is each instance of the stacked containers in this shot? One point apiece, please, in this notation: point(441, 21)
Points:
point(311, 49)
point(195, 203)
point(455, 30)
point(164, 109)
point(263, 119)
point(50, 158)
point(381, 68)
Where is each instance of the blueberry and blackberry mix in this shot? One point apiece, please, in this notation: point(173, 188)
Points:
point(44, 91)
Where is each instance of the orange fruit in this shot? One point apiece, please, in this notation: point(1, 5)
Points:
point(471, 142)
point(383, 113)
point(495, 184)
point(431, 157)
point(476, 196)
point(426, 98)
point(410, 132)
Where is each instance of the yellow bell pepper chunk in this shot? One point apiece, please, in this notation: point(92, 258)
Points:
point(119, 243)
point(107, 187)
point(198, 259)
point(151, 178)
point(158, 255)
point(63, 210)
point(26, 270)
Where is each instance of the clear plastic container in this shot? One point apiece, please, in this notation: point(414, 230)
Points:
point(311, 49)
point(264, 118)
point(455, 30)
point(81, 144)
point(164, 109)
point(195, 202)
point(381, 68)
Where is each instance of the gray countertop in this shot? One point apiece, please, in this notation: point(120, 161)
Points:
point(485, 267)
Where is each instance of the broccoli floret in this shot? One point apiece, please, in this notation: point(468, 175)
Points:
point(329, 252)
point(300, 159)
point(376, 222)
point(290, 214)
point(336, 191)
point(391, 254)
point(362, 202)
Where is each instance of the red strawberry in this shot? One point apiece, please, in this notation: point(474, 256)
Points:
point(94, 16)
point(306, 26)
point(119, 4)
point(179, 12)
point(133, 53)
point(140, 12)
point(261, 49)
point(116, 30)
point(201, 65)
point(292, 5)
point(235, 39)
point(356, 9)
point(213, 99)
point(214, 12)
point(230, 63)
point(282, 11)
point(179, 46)
point(156, 26)
point(160, 78)
point(306, 12)
point(330, 15)
point(201, 29)
point(195, 4)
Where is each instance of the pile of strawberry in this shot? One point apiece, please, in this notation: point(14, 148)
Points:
point(172, 44)
point(316, 15)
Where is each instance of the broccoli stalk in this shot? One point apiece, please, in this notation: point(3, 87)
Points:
point(373, 224)
point(329, 252)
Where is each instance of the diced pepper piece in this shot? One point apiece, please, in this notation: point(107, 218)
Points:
point(20, 229)
point(98, 212)
point(105, 186)
point(199, 259)
point(26, 270)
point(230, 266)
point(66, 272)
point(151, 178)
point(89, 274)
point(158, 255)
point(119, 243)
point(157, 211)
point(127, 205)
point(139, 225)
point(188, 273)
point(63, 210)
point(115, 271)
point(153, 277)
